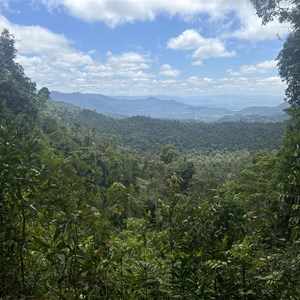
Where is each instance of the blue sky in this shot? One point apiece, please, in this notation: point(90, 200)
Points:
point(146, 47)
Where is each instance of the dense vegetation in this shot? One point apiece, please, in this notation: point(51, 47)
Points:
point(83, 218)
point(148, 136)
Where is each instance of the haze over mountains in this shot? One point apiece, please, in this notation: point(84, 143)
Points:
point(212, 108)
point(229, 101)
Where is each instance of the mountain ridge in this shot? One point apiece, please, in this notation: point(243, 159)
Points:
point(157, 108)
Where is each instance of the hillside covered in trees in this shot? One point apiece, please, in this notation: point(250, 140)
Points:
point(93, 207)
point(147, 135)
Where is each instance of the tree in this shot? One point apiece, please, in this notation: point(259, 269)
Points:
point(289, 70)
point(44, 93)
point(168, 154)
point(20, 168)
point(17, 91)
point(285, 11)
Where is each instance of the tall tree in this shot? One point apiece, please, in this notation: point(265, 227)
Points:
point(289, 70)
point(18, 165)
point(17, 91)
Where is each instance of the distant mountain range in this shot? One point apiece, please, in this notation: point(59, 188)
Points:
point(230, 101)
point(158, 108)
point(263, 111)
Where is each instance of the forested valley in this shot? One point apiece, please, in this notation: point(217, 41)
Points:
point(93, 207)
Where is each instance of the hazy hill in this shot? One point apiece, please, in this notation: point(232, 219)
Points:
point(154, 107)
point(113, 106)
point(98, 102)
point(232, 102)
point(263, 111)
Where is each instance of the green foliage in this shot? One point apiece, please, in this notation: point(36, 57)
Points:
point(285, 11)
point(168, 154)
point(82, 217)
point(17, 92)
point(289, 68)
point(154, 136)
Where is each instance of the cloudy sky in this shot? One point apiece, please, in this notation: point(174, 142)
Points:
point(146, 47)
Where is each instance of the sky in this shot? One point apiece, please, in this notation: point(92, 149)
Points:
point(146, 47)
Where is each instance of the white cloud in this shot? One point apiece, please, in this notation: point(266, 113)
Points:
point(197, 63)
point(129, 65)
point(35, 39)
point(260, 68)
point(128, 61)
point(188, 40)
point(52, 60)
point(251, 27)
point(272, 80)
point(117, 12)
point(267, 65)
point(203, 47)
point(212, 48)
point(219, 86)
point(192, 78)
point(167, 71)
point(50, 48)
